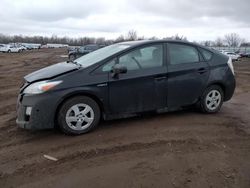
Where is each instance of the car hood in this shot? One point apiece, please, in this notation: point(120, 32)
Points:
point(51, 71)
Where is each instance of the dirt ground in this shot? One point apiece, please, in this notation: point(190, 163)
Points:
point(179, 149)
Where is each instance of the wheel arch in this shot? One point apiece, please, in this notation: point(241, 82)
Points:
point(221, 85)
point(75, 94)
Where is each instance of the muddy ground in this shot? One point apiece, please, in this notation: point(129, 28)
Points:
point(180, 149)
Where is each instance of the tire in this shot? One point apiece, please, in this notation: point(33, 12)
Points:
point(8, 51)
point(72, 57)
point(72, 119)
point(211, 100)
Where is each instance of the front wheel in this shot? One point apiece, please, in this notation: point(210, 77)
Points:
point(78, 115)
point(212, 99)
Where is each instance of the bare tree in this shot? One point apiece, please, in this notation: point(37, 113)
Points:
point(153, 38)
point(177, 37)
point(245, 44)
point(132, 35)
point(120, 39)
point(219, 42)
point(208, 43)
point(233, 39)
point(100, 40)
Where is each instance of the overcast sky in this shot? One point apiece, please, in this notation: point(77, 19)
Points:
point(196, 19)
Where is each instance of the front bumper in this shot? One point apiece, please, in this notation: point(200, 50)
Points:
point(43, 111)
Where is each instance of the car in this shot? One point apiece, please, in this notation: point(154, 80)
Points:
point(10, 48)
point(234, 56)
point(31, 46)
point(83, 50)
point(2, 48)
point(245, 54)
point(72, 48)
point(18, 45)
point(124, 79)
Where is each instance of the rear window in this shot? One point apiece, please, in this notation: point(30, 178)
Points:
point(181, 54)
point(206, 54)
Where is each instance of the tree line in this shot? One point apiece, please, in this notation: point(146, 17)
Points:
point(231, 40)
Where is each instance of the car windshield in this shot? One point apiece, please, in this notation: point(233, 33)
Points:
point(100, 54)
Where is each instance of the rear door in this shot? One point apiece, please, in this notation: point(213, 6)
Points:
point(187, 74)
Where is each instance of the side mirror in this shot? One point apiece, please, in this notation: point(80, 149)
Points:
point(119, 69)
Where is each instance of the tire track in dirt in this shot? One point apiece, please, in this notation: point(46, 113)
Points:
point(170, 146)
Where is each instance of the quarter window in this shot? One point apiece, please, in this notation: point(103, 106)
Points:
point(206, 54)
point(181, 54)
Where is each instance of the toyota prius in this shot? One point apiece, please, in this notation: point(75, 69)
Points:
point(123, 79)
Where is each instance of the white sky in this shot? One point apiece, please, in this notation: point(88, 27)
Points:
point(196, 19)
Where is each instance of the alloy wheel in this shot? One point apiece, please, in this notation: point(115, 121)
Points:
point(79, 116)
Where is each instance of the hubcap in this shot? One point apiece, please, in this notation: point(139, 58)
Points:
point(79, 116)
point(213, 100)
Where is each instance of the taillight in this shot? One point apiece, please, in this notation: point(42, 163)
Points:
point(230, 64)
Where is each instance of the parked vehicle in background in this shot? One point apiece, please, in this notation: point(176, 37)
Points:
point(18, 45)
point(73, 48)
point(232, 55)
point(52, 45)
point(10, 48)
point(245, 54)
point(44, 46)
point(123, 79)
point(83, 50)
point(31, 46)
point(28, 47)
point(2, 48)
point(23, 47)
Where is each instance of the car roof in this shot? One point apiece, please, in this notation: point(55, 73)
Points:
point(141, 42)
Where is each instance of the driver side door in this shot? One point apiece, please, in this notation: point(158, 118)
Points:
point(144, 86)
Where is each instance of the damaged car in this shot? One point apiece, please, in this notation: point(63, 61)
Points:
point(122, 79)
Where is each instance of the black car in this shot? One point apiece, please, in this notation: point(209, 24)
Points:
point(244, 54)
point(123, 79)
point(83, 50)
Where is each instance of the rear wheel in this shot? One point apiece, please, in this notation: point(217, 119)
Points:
point(8, 51)
point(212, 99)
point(78, 115)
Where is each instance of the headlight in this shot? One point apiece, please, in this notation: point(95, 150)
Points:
point(40, 87)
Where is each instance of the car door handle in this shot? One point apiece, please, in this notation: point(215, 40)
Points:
point(102, 85)
point(202, 70)
point(160, 78)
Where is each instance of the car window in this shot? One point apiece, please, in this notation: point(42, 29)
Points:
point(143, 58)
point(108, 66)
point(81, 49)
point(91, 47)
point(206, 54)
point(181, 53)
point(88, 48)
